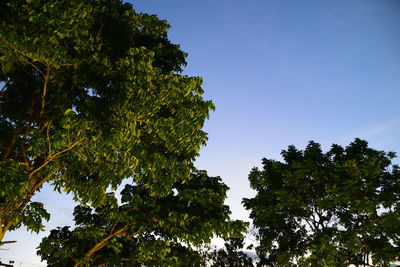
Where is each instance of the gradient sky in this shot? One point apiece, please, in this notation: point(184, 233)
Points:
point(280, 73)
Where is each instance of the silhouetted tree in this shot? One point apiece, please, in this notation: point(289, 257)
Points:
point(327, 209)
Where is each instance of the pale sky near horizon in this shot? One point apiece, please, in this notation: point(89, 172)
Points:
point(279, 72)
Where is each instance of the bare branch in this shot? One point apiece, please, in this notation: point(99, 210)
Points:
point(7, 242)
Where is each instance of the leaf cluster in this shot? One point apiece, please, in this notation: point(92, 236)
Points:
point(145, 229)
point(327, 209)
point(231, 255)
point(91, 93)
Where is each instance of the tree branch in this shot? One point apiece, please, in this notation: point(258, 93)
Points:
point(25, 202)
point(4, 88)
point(26, 159)
point(7, 242)
point(19, 207)
point(48, 138)
point(104, 241)
point(309, 223)
point(52, 157)
point(299, 225)
point(36, 68)
point(12, 142)
point(25, 55)
point(45, 88)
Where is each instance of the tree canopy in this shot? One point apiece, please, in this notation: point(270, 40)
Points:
point(145, 230)
point(231, 255)
point(91, 93)
point(336, 208)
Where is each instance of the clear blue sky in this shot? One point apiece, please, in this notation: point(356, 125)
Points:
point(280, 72)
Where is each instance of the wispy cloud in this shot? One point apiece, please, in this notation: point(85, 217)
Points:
point(378, 129)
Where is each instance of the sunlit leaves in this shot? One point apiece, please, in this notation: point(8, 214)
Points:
point(93, 95)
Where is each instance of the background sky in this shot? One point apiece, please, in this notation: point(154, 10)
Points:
point(279, 72)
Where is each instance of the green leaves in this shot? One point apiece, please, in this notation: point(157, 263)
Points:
point(32, 217)
point(325, 209)
point(230, 255)
point(145, 229)
point(93, 95)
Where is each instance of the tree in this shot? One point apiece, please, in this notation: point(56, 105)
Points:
point(327, 209)
point(91, 93)
point(232, 255)
point(145, 230)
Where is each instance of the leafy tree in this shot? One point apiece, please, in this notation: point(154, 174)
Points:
point(327, 209)
point(232, 255)
point(90, 94)
point(145, 229)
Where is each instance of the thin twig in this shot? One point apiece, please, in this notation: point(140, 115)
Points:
point(48, 138)
point(4, 88)
point(115, 224)
point(52, 157)
point(33, 65)
point(299, 225)
point(45, 88)
point(26, 159)
point(25, 55)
